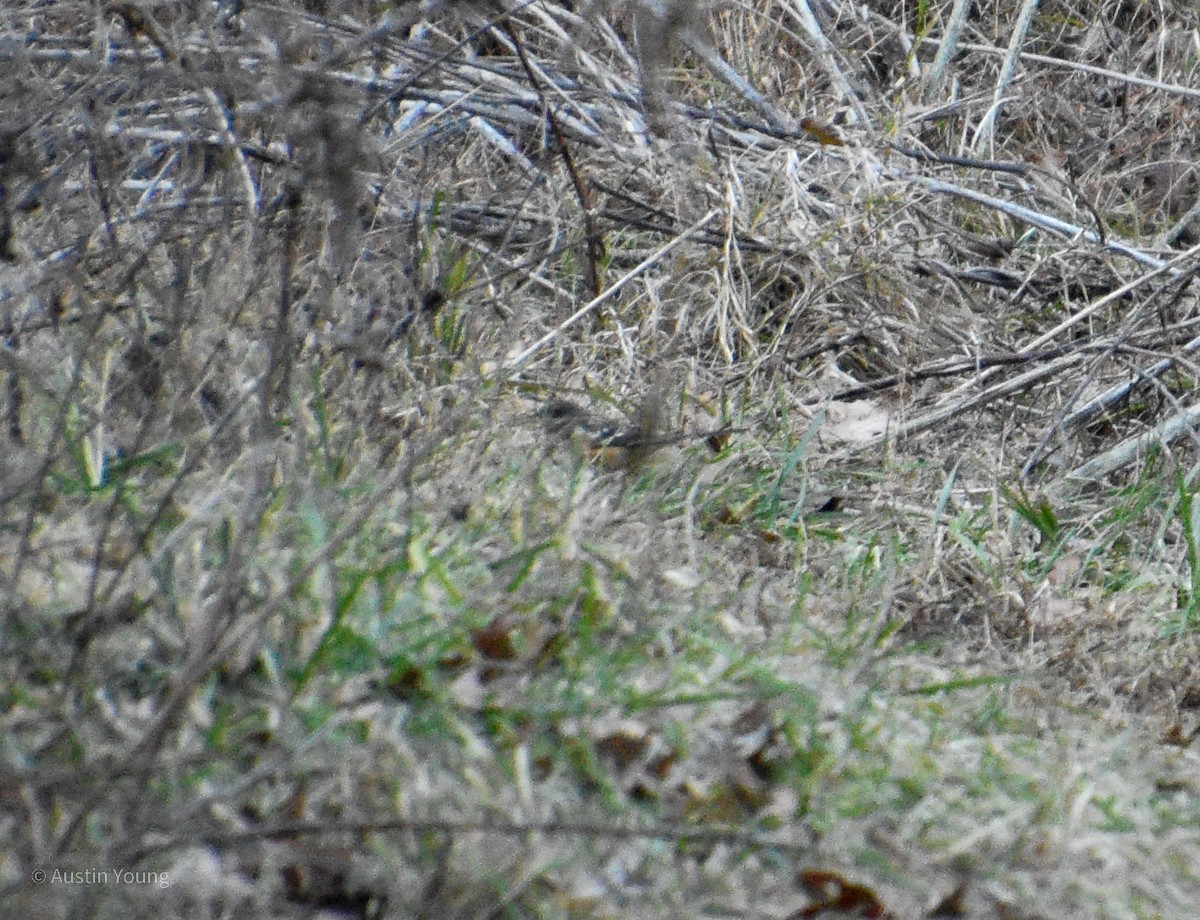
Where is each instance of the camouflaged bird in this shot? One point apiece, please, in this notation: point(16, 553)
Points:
point(620, 447)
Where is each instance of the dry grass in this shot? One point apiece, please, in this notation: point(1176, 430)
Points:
point(307, 610)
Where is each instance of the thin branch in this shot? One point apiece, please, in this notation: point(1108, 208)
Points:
point(946, 48)
point(1029, 216)
point(684, 833)
point(1130, 449)
point(983, 133)
point(801, 10)
point(523, 357)
point(1173, 88)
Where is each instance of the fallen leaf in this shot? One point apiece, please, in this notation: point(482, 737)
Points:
point(832, 891)
point(856, 422)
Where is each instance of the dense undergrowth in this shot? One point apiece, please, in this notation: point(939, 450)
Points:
point(320, 599)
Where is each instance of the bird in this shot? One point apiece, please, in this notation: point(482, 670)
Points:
point(614, 446)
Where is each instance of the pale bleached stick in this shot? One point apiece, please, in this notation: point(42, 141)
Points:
point(803, 12)
point(1173, 88)
point(253, 201)
point(1167, 268)
point(1029, 216)
point(1124, 453)
point(521, 359)
point(1003, 388)
point(946, 47)
point(983, 133)
point(1168, 236)
point(700, 47)
point(1112, 395)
